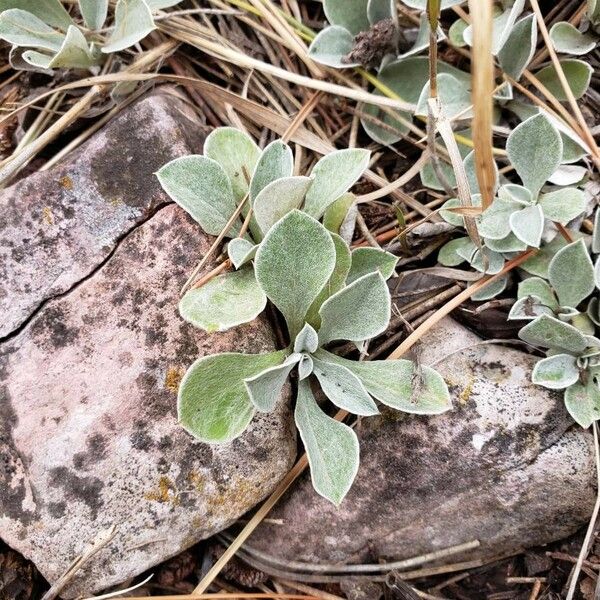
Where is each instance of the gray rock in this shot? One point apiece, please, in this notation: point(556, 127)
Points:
point(504, 467)
point(88, 434)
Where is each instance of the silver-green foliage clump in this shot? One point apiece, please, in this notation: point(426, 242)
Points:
point(325, 292)
point(45, 36)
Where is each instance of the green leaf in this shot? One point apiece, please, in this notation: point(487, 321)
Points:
point(344, 388)
point(266, 388)
point(529, 308)
point(340, 216)
point(528, 224)
point(349, 14)
point(237, 153)
point(536, 286)
point(491, 290)
point(519, 48)
point(448, 254)
point(571, 274)
point(241, 251)
point(371, 260)
point(577, 72)
point(94, 12)
point(568, 39)
point(535, 150)
point(38, 60)
point(224, 302)
point(593, 310)
point(593, 11)
point(275, 162)
point(568, 174)
point(548, 332)
point(596, 234)
point(455, 33)
point(471, 172)
point(305, 367)
point(455, 98)
point(562, 206)
point(51, 12)
point(358, 312)
point(378, 10)
point(399, 384)
point(556, 372)
point(160, 4)
point(331, 447)
point(22, 28)
point(538, 264)
point(495, 221)
point(133, 22)
point(212, 403)
point(511, 243)
point(422, 40)
point(307, 340)
point(201, 187)
point(583, 402)
point(515, 193)
point(334, 175)
point(293, 264)
point(336, 282)
point(74, 53)
point(422, 4)
point(495, 261)
point(278, 198)
point(331, 46)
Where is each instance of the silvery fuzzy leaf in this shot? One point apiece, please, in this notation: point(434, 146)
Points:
point(371, 260)
point(471, 172)
point(17, 62)
point(573, 150)
point(429, 179)
point(340, 217)
point(536, 286)
point(504, 94)
point(305, 367)
point(331, 46)
point(577, 72)
point(511, 192)
point(278, 198)
point(378, 10)
point(503, 26)
point(74, 52)
point(456, 33)
point(337, 280)
point(349, 14)
point(528, 224)
point(491, 290)
point(212, 403)
point(583, 402)
point(36, 61)
point(344, 388)
point(571, 274)
point(455, 218)
point(391, 130)
point(133, 22)
point(422, 4)
point(538, 264)
point(549, 332)
point(597, 273)
point(307, 340)
point(241, 251)
point(593, 11)
point(448, 254)
point(224, 302)
point(399, 383)
point(331, 447)
point(562, 206)
point(21, 28)
point(535, 150)
point(293, 264)
point(511, 243)
point(334, 175)
point(583, 322)
point(568, 39)
point(495, 261)
point(566, 314)
point(237, 153)
point(94, 12)
point(519, 48)
point(593, 310)
point(494, 222)
point(265, 388)
point(51, 12)
point(422, 40)
point(568, 175)
point(455, 98)
point(276, 161)
point(201, 187)
point(528, 308)
point(596, 234)
point(358, 312)
point(556, 372)
point(160, 4)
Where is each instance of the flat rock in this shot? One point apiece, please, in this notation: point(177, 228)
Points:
point(504, 467)
point(88, 434)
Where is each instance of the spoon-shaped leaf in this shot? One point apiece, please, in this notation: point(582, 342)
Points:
point(51, 12)
point(571, 274)
point(94, 12)
point(276, 161)
point(519, 48)
point(307, 340)
point(371, 260)
point(241, 251)
point(350, 14)
point(212, 403)
point(22, 28)
point(528, 224)
point(224, 302)
point(378, 10)
point(548, 332)
point(74, 52)
point(133, 22)
point(568, 39)
point(578, 74)
point(293, 264)
point(562, 206)
point(160, 4)
point(265, 388)
point(536, 286)
point(331, 46)
point(556, 372)
point(358, 312)
point(583, 402)
point(331, 447)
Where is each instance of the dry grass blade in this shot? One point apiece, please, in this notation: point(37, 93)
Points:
point(482, 77)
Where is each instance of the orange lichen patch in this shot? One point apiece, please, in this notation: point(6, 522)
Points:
point(116, 201)
point(465, 395)
point(173, 378)
point(47, 215)
point(165, 493)
point(238, 493)
point(66, 182)
point(197, 480)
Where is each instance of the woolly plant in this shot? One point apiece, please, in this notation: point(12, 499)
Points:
point(325, 292)
point(567, 39)
point(44, 36)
